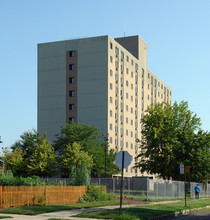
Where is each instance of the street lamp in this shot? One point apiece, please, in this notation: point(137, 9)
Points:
point(106, 139)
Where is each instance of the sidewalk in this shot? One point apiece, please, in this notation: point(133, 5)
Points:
point(67, 214)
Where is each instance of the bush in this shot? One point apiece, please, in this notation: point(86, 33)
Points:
point(20, 181)
point(94, 193)
point(80, 175)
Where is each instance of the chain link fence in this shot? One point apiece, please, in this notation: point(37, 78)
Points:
point(204, 189)
point(143, 188)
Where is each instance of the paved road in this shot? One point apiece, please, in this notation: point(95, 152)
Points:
point(199, 216)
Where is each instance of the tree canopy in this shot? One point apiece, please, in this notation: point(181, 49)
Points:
point(171, 137)
point(91, 142)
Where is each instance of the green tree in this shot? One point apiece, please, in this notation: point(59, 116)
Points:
point(86, 135)
point(169, 134)
point(27, 142)
point(42, 162)
point(14, 161)
point(77, 164)
point(91, 142)
point(98, 169)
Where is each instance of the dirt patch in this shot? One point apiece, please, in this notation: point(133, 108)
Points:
point(132, 201)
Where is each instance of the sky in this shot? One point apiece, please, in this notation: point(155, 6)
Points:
point(177, 33)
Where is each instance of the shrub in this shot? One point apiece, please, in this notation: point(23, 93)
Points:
point(94, 193)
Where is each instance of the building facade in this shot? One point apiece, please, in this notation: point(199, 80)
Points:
point(98, 81)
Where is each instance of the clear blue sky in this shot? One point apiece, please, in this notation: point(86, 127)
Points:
point(177, 33)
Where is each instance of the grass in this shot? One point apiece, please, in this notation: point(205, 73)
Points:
point(2, 217)
point(146, 211)
point(35, 210)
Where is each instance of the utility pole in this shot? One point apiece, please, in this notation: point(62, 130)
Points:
point(106, 139)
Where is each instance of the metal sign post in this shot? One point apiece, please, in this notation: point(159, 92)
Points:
point(121, 187)
point(122, 160)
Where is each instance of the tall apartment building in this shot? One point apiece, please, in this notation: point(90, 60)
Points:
point(101, 81)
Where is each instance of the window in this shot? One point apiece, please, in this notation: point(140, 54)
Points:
point(126, 82)
point(122, 55)
point(110, 99)
point(71, 67)
point(131, 98)
point(126, 107)
point(151, 79)
point(110, 140)
point(116, 50)
point(71, 119)
point(127, 70)
point(148, 86)
point(161, 86)
point(126, 120)
point(72, 80)
point(131, 86)
point(126, 144)
point(121, 118)
point(110, 113)
point(126, 95)
point(116, 129)
point(132, 62)
point(127, 59)
point(136, 66)
point(71, 93)
point(158, 84)
point(126, 132)
point(121, 105)
point(110, 72)
point(131, 74)
point(121, 92)
point(110, 45)
point(131, 110)
point(122, 67)
point(121, 80)
point(116, 63)
point(116, 116)
point(71, 106)
point(116, 90)
point(121, 143)
point(131, 122)
point(110, 86)
point(72, 53)
point(148, 75)
point(131, 146)
point(136, 90)
point(142, 106)
point(136, 101)
point(142, 72)
point(110, 126)
point(111, 59)
point(148, 97)
point(131, 133)
point(116, 76)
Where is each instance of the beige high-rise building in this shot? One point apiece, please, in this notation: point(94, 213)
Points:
point(98, 81)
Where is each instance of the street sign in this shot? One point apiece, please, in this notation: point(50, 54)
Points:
point(181, 168)
point(127, 159)
point(187, 169)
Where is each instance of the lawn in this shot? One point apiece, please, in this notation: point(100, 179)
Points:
point(146, 211)
point(35, 210)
